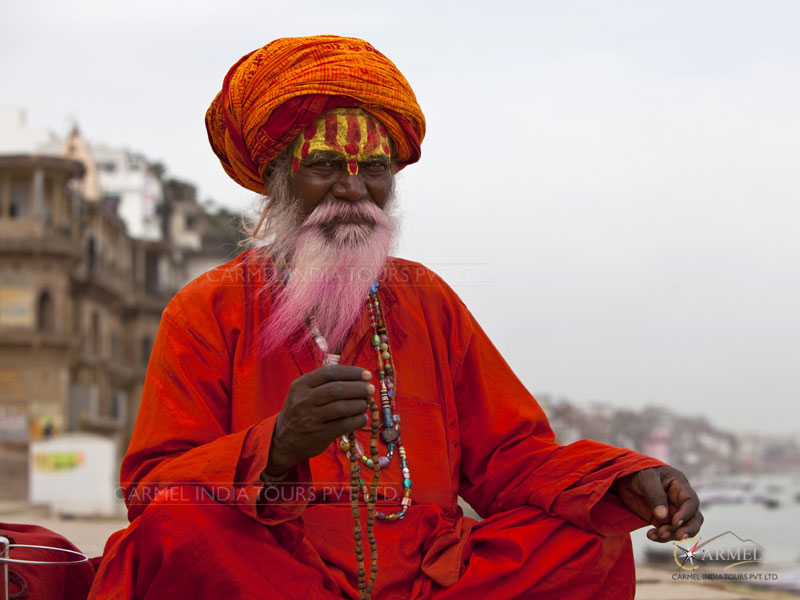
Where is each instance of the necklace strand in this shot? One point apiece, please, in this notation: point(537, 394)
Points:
point(387, 417)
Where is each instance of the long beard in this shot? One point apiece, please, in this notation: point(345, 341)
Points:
point(333, 257)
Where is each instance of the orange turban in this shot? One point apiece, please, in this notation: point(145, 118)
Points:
point(271, 94)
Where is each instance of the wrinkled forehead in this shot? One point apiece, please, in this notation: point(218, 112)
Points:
point(352, 133)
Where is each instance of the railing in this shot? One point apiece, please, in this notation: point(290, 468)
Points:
point(5, 560)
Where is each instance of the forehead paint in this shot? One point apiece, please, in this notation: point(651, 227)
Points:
point(350, 132)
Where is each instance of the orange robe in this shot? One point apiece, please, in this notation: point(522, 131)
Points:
point(470, 428)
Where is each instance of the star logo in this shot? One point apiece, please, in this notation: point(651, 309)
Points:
point(685, 554)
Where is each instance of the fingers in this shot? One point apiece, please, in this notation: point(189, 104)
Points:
point(331, 373)
point(342, 409)
point(686, 519)
point(682, 496)
point(347, 425)
point(650, 486)
point(691, 527)
point(667, 532)
point(633, 499)
point(341, 390)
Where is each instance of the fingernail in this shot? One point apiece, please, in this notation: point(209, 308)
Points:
point(684, 536)
point(679, 523)
point(661, 511)
point(665, 535)
point(370, 389)
point(366, 375)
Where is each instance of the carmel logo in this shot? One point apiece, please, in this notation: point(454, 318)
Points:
point(726, 550)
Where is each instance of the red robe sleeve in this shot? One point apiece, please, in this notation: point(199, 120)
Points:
point(183, 429)
point(509, 457)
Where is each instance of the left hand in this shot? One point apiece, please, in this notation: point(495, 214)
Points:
point(663, 497)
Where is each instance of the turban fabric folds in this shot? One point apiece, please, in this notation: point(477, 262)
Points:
point(271, 94)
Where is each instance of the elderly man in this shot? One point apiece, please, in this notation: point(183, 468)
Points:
point(314, 408)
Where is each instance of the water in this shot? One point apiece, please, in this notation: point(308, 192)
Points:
point(776, 529)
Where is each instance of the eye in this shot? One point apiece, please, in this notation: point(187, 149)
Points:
point(374, 167)
point(323, 165)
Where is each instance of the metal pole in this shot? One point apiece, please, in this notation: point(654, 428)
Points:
point(4, 543)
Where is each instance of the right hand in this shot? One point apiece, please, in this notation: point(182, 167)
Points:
point(321, 405)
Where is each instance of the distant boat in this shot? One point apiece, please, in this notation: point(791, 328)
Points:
point(659, 553)
point(767, 500)
point(713, 496)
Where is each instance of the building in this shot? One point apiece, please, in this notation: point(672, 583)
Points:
point(80, 302)
point(93, 244)
point(19, 138)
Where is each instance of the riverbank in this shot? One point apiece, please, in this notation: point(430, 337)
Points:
point(652, 583)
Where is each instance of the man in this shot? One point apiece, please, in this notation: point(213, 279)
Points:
point(254, 471)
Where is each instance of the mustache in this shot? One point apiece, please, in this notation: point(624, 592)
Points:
point(341, 212)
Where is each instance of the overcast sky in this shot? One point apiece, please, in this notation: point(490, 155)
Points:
point(612, 187)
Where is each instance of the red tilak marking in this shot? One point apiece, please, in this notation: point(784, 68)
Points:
point(372, 136)
point(331, 130)
point(304, 149)
point(310, 131)
point(295, 164)
point(352, 166)
point(384, 134)
point(353, 135)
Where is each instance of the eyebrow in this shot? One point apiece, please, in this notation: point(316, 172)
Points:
point(378, 158)
point(322, 154)
point(332, 154)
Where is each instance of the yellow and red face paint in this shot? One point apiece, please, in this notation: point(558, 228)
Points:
point(353, 134)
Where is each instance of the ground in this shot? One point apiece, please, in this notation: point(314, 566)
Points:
point(651, 583)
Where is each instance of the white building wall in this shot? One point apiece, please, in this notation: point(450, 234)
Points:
point(122, 174)
point(125, 175)
point(17, 138)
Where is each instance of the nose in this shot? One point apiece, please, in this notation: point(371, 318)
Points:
point(349, 187)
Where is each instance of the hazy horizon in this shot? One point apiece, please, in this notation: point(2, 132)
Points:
point(623, 175)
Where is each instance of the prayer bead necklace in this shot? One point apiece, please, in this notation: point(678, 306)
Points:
point(388, 417)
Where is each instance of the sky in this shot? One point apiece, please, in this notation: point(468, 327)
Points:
point(611, 186)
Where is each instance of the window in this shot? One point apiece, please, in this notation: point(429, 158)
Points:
point(151, 280)
point(19, 207)
point(45, 312)
point(90, 254)
point(94, 333)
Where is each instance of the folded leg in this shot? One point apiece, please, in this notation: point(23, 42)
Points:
point(528, 553)
point(187, 545)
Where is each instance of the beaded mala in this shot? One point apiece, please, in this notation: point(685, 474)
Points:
point(388, 418)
